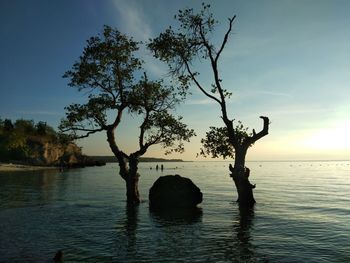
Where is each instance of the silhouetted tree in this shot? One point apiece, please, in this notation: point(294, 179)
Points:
point(108, 70)
point(179, 49)
point(41, 127)
point(8, 126)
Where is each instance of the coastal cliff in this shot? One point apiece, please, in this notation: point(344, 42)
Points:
point(46, 153)
point(25, 142)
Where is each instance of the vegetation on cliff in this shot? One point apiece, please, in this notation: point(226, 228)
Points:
point(27, 142)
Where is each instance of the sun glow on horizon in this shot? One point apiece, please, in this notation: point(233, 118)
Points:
point(333, 138)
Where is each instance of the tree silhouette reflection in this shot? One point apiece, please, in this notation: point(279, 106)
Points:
point(242, 226)
point(131, 222)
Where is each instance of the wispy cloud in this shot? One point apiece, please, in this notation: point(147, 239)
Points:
point(248, 94)
point(200, 101)
point(50, 113)
point(133, 21)
point(275, 94)
point(299, 110)
point(156, 68)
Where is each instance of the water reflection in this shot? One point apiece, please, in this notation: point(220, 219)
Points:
point(27, 188)
point(85, 215)
point(131, 221)
point(126, 234)
point(242, 226)
point(176, 235)
point(235, 241)
point(179, 216)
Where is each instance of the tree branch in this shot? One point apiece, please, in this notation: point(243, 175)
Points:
point(256, 136)
point(106, 90)
point(216, 74)
point(142, 129)
point(88, 134)
point(118, 117)
point(88, 131)
point(121, 156)
point(225, 38)
point(198, 85)
point(143, 149)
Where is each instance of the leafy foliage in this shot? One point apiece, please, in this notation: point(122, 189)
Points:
point(216, 142)
point(187, 43)
point(16, 139)
point(108, 64)
point(181, 48)
point(111, 73)
point(106, 72)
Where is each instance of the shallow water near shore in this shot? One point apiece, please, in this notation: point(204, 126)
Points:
point(302, 215)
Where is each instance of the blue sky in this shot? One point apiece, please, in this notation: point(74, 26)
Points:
point(289, 60)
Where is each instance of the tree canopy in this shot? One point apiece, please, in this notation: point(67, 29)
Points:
point(111, 73)
point(216, 142)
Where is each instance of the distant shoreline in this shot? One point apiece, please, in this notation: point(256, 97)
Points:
point(10, 167)
point(113, 159)
point(14, 167)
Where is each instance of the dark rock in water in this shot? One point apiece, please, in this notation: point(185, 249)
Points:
point(174, 191)
point(58, 256)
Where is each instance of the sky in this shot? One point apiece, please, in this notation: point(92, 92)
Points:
point(286, 59)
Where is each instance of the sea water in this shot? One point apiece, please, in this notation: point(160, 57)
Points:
point(302, 214)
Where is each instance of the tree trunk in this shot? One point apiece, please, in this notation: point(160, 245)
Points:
point(240, 174)
point(130, 174)
point(132, 182)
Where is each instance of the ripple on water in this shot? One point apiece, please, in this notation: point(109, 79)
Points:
point(301, 216)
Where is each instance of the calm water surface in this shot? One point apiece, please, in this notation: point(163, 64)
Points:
point(302, 215)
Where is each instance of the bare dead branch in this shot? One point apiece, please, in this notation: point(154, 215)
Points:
point(225, 38)
point(256, 136)
point(199, 85)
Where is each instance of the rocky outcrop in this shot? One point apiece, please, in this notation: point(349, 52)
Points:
point(24, 142)
point(63, 155)
point(174, 191)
